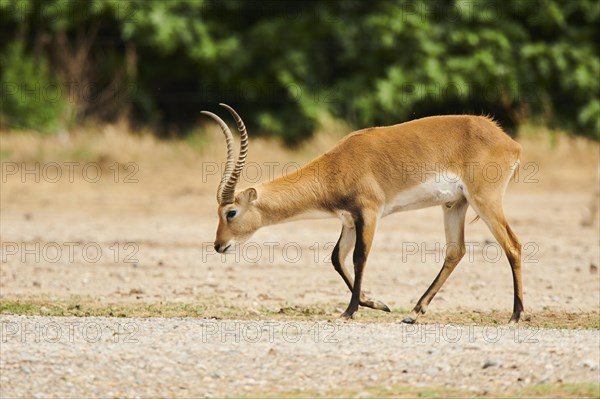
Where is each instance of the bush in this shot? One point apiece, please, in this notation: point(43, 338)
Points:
point(31, 98)
point(288, 65)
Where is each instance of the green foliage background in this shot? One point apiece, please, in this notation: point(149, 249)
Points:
point(288, 65)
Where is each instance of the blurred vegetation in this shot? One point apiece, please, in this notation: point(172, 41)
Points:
point(288, 65)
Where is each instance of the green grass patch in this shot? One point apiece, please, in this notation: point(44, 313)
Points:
point(5, 154)
point(560, 391)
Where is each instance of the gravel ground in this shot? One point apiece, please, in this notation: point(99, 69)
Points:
point(121, 357)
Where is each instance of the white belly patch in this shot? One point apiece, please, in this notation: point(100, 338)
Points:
point(436, 191)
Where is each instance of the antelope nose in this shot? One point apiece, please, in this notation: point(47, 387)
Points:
point(217, 247)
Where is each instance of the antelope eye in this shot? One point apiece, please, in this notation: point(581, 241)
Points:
point(231, 214)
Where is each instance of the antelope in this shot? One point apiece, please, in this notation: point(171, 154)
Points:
point(453, 161)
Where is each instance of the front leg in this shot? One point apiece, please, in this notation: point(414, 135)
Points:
point(343, 247)
point(365, 222)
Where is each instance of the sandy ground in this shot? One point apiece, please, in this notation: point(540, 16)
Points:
point(150, 240)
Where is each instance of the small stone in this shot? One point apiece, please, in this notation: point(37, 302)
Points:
point(593, 268)
point(211, 282)
point(26, 369)
point(592, 365)
point(489, 363)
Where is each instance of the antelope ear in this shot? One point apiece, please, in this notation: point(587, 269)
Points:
point(249, 195)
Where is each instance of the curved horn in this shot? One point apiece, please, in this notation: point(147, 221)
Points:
point(228, 194)
point(230, 157)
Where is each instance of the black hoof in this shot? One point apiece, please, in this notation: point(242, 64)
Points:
point(347, 316)
point(514, 319)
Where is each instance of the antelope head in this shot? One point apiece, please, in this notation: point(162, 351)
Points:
point(239, 218)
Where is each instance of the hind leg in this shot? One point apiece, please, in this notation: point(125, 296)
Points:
point(454, 226)
point(490, 210)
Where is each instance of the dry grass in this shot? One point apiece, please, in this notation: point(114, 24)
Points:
point(558, 159)
point(206, 308)
point(164, 164)
point(117, 143)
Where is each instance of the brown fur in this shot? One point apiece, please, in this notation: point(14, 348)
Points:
point(367, 169)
